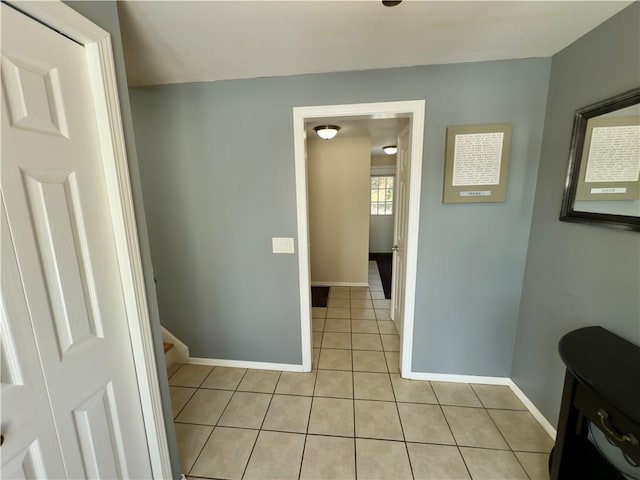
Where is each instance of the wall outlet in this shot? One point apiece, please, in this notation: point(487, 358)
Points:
point(282, 245)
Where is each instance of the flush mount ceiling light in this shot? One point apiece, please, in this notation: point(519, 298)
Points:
point(327, 132)
point(390, 149)
point(391, 3)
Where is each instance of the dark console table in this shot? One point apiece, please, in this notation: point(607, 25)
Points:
point(602, 386)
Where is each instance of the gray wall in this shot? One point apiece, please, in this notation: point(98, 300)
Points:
point(105, 15)
point(217, 170)
point(576, 275)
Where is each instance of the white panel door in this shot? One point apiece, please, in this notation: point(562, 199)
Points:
point(400, 231)
point(57, 210)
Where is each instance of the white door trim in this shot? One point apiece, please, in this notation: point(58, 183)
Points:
point(415, 109)
point(97, 43)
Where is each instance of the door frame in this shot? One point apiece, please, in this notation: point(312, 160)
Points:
point(97, 44)
point(415, 111)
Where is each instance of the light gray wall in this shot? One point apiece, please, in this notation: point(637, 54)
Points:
point(217, 170)
point(576, 275)
point(105, 15)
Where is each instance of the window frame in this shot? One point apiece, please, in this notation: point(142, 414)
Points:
point(385, 203)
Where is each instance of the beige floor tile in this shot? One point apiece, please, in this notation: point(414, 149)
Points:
point(414, 391)
point(190, 439)
point(338, 302)
point(363, 293)
point(390, 343)
point(190, 376)
point(363, 314)
point(205, 407)
point(361, 303)
point(387, 327)
point(328, 458)
point(224, 378)
point(436, 462)
point(382, 460)
point(318, 312)
point(331, 383)
point(171, 369)
point(339, 325)
point(377, 420)
point(498, 396)
point(288, 413)
point(226, 453)
point(473, 427)
point(366, 341)
point(383, 314)
point(372, 386)
point(336, 340)
point(263, 381)
point(364, 326)
point(535, 464)
point(276, 455)
point(424, 423)
point(369, 361)
point(317, 324)
point(246, 410)
point(293, 383)
point(179, 398)
point(457, 394)
point(393, 361)
point(492, 464)
point(336, 312)
point(376, 288)
point(382, 304)
point(335, 359)
point(316, 358)
point(522, 431)
point(331, 416)
point(339, 292)
point(317, 339)
point(375, 295)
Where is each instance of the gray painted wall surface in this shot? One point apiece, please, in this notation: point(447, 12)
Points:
point(105, 15)
point(576, 275)
point(217, 170)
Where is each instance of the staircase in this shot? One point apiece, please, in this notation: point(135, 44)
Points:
point(174, 350)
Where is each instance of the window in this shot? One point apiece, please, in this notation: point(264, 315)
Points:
point(382, 195)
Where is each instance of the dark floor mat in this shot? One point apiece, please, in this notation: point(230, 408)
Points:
point(384, 261)
point(319, 296)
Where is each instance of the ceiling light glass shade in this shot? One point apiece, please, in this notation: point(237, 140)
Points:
point(327, 132)
point(390, 149)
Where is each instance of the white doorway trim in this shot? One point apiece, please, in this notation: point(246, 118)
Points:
point(97, 45)
point(415, 111)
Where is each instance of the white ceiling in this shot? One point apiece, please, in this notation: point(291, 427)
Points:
point(195, 41)
point(382, 131)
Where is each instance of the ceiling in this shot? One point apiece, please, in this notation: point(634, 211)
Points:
point(381, 131)
point(195, 41)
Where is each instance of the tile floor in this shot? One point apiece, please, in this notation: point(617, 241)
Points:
point(353, 416)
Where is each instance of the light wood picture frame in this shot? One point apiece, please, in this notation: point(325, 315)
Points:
point(476, 163)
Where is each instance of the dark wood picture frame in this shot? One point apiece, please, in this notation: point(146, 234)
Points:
point(581, 118)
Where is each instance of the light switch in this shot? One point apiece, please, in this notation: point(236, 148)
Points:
point(282, 245)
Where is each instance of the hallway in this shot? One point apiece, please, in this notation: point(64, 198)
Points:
point(353, 416)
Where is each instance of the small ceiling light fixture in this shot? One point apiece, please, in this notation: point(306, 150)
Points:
point(327, 132)
point(390, 149)
point(391, 3)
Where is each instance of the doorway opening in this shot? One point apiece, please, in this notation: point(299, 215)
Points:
point(409, 168)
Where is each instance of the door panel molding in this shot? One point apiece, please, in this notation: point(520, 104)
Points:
point(415, 110)
point(97, 45)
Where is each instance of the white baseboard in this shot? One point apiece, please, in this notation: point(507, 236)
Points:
point(446, 377)
point(182, 351)
point(537, 414)
point(285, 367)
point(339, 284)
point(441, 377)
